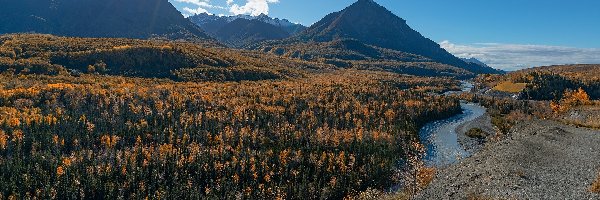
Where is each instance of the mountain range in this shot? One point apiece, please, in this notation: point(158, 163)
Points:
point(93, 18)
point(242, 30)
point(364, 35)
point(212, 23)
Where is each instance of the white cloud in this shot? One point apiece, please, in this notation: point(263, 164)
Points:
point(252, 7)
point(517, 56)
point(201, 3)
point(194, 11)
point(202, 6)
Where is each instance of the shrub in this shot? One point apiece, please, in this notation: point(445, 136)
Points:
point(595, 188)
point(571, 99)
point(503, 124)
point(476, 133)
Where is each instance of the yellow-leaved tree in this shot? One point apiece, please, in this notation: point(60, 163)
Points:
point(571, 99)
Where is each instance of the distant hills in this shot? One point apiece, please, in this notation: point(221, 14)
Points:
point(95, 18)
point(242, 30)
point(181, 61)
point(371, 24)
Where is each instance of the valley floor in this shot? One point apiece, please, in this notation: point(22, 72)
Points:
point(540, 160)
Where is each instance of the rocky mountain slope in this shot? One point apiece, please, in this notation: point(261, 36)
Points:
point(93, 18)
point(242, 32)
point(212, 23)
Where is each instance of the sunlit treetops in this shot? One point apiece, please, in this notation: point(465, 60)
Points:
point(325, 135)
point(547, 83)
point(46, 54)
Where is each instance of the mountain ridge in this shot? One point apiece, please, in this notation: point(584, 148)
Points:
point(475, 61)
point(241, 32)
point(211, 23)
point(373, 24)
point(139, 19)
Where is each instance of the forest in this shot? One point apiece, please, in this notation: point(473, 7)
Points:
point(180, 61)
point(321, 136)
point(550, 83)
point(566, 93)
point(350, 53)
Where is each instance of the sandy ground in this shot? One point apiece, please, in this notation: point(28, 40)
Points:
point(539, 160)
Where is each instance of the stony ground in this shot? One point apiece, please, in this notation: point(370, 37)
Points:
point(473, 145)
point(539, 160)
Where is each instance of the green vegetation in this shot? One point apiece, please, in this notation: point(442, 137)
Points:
point(546, 83)
point(502, 123)
point(50, 55)
point(350, 53)
point(566, 93)
point(476, 133)
point(550, 83)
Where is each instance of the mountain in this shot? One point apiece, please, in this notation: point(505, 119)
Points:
point(351, 53)
point(242, 32)
point(212, 23)
point(372, 24)
point(94, 18)
point(291, 28)
point(474, 61)
point(343, 49)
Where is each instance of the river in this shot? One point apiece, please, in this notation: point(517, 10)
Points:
point(440, 137)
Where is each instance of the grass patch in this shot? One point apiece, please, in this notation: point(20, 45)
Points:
point(510, 87)
point(476, 133)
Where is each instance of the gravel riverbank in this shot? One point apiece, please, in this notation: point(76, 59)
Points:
point(539, 160)
point(472, 145)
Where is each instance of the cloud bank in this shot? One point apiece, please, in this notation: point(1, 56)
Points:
point(250, 7)
point(512, 57)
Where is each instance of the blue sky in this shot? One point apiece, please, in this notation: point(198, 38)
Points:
point(546, 31)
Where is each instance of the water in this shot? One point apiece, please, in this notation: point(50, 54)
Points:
point(440, 137)
point(441, 140)
point(465, 87)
